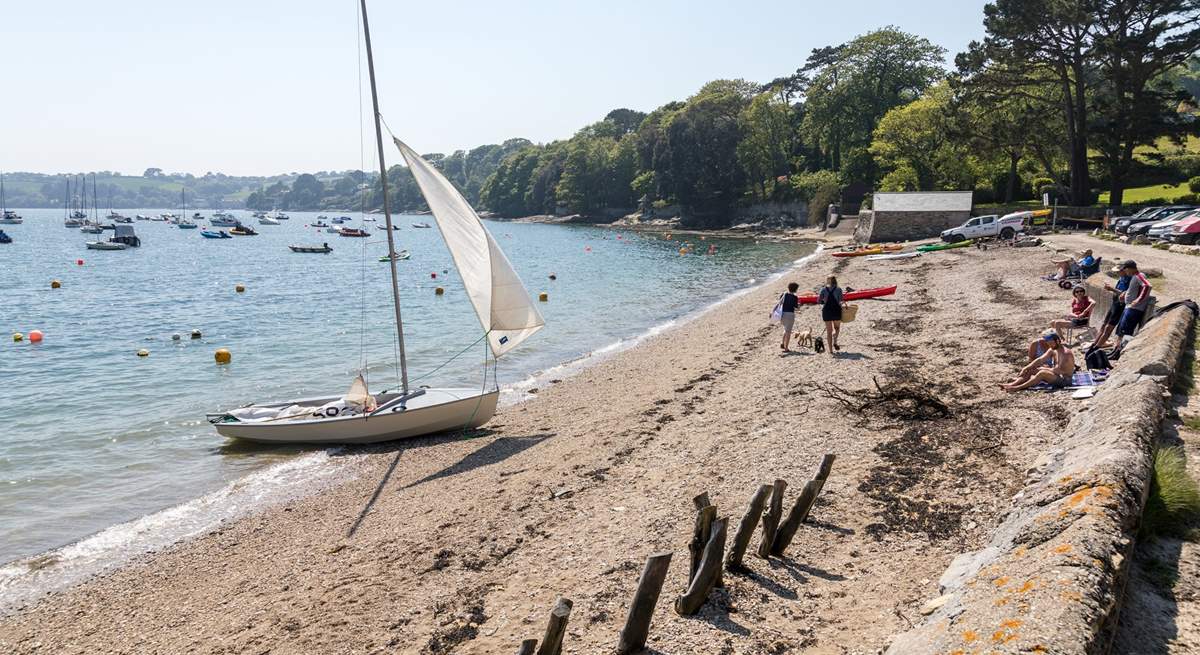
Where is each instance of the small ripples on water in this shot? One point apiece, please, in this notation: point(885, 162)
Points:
point(94, 436)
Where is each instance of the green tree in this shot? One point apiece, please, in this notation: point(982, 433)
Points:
point(766, 142)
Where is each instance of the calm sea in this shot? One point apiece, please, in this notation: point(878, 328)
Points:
point(104, 453)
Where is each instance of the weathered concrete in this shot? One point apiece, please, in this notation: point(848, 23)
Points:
point(908, 225)
point(1051, 578)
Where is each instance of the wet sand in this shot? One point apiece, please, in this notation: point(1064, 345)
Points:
point(452, 544)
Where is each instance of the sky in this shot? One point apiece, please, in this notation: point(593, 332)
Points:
point(259, 87)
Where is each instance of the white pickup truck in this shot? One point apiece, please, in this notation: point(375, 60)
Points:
point(1005, 227)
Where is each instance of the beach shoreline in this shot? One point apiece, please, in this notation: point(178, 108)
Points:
point(566, 493)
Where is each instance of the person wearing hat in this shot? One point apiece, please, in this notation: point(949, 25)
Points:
point(1136, 297)
point(1055, 367)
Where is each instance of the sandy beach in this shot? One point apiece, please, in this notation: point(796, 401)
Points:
point(458, 544)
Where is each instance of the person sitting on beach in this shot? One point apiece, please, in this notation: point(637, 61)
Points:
point(788, 304)
point(1055, 367)
point(831, 301)
point(1115, 310)
point(1069, 265)
point(1081, 311)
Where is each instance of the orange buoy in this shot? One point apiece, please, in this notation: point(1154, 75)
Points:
point(223, 356)
point(35, 336)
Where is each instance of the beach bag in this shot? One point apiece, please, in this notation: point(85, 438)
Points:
point(1097, 360)
point(777, 313)
point(849, 313)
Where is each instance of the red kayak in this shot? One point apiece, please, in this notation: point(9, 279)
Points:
point(811, 298)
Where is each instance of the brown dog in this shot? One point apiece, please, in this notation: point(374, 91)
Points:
point(804, 339)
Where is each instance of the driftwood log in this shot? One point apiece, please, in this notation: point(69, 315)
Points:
point(825, 467)
point(641, 610)
point(771, 519)
point(745, 530)
point(700, 534)
point(796, 516)
point(557, 628)
point(527, 647)
point(710, 569)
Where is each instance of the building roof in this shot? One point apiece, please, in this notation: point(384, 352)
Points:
point(923, 201)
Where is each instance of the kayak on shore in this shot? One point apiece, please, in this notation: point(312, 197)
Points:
point(860, 294)
point(873, 250)
point(934, 247)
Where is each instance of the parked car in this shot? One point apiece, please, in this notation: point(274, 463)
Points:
point(1143, 228)
point(1005, 227)
point(1186, 231)
point(1146, 217)
point(1162, 228)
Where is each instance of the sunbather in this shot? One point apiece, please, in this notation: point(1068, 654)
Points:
point(1055, 367)
point(1070, 265)
point(1081, 312)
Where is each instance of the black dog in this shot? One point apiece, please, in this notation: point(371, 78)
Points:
point(818, 344)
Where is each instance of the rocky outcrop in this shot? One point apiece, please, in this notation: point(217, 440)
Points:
point(1051, 577)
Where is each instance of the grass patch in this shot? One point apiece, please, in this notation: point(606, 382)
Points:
point(1141, 194)
point(1161, 574)
point(1174, 503)
point(1161, 245)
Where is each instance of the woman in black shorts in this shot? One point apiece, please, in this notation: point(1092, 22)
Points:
point(831, 302)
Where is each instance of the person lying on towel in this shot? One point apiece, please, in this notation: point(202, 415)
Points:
point(1055, 367)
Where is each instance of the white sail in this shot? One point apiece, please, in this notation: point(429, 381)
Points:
point(505, 309)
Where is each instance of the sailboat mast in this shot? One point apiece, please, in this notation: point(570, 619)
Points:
point(387, 215)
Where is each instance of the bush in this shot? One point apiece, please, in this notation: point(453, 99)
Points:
point(807, 183)
point(1174, 502)
point(1194, 184)
point(1039, 182)
point(819, 204)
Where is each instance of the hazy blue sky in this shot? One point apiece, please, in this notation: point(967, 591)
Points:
point(270, 86)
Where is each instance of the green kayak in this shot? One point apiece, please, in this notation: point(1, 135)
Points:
point(943, 246)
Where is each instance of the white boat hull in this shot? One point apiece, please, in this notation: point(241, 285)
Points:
point(437, 410)
point(105, 245)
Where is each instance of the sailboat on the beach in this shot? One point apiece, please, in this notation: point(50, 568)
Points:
point(506, 313)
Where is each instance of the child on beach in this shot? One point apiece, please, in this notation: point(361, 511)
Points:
point(831, 302)
point(1055, 367)
point(788, 304)
point(1081, 311)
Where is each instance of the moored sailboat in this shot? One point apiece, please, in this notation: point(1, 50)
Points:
point(506, 314)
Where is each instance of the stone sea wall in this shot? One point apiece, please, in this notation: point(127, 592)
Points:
point(1051, 578)
point(906, 226)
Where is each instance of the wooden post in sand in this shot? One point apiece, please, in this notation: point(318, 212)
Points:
point(527, 647)
point(795, 517)
point(705, 513)
point(637, 623)
point(557, 628)
point(824, 468)
point(710, 569)
point(741, 538)
point(771, 519)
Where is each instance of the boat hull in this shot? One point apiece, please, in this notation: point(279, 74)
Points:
point(438, 410)
point(861, 294)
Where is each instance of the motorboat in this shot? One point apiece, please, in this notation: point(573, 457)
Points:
point(140, 217)
point(243, 231)
point(422, 225)
point(342, 219)
point(185, 224)
point(353, 232)
point(267, 220)
point(105, 245)
point(399, 256)
point(4, 238)
point(319, 223)
point(506, 314)
point(333, 229)
point(223, 221)
point(219, 234)
point(92, 228)
point(10, 217)
point(324, 248)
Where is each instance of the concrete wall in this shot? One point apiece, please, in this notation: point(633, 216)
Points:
point(907, 226)
point(1051, 578)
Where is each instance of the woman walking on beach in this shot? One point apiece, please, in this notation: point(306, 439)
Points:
point(787, 305)
point(831, 302)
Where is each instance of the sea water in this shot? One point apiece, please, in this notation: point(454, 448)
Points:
point(93, 436)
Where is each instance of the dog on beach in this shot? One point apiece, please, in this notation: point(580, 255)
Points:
point(819, 345)
point(804, 339)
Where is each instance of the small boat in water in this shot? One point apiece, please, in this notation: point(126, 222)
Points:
point(399, 256)
point(319, 223)
point(353, 232)
point(321, 249)
point(222, 221)
point(219, 234)
point(91, 228)
point(267, 220)
point(243, 231)
point(140, 217)
point(422, 225)
point(4, 238)
point(342, 219)
point(185, 224)
point(105, 245)
point(333, 229)
point(10, 217)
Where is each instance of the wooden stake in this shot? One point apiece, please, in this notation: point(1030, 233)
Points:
point(710, 568)
point(741, 539)
point(557, 628)
point(700, 534)
point(527, 647)
point(771, 519)
point(637, 623)
point(825, 467)
point(796, 517)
